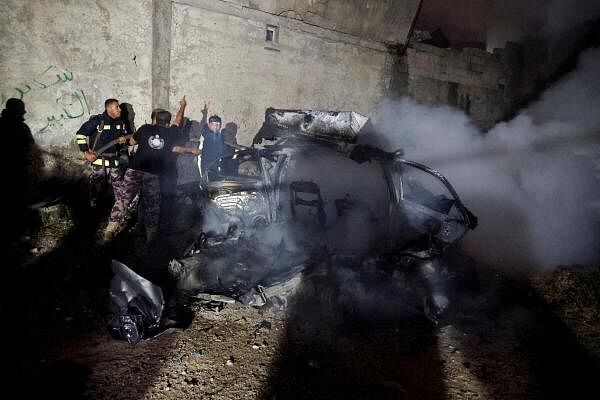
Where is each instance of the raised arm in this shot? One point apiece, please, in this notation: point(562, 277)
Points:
point(204, 120)
point(181, 112)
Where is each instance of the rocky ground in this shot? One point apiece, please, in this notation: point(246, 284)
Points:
point(528, 336)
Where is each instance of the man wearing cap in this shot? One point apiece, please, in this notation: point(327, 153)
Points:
point(213, 147)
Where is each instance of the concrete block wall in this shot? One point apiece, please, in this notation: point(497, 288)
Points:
point(472, 80)
point(220, 55)
point(385, 21)
point(64, 58)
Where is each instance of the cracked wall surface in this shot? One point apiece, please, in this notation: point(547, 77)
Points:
point(473, 80)
point(387, 21)
point(222, 57)
point(64, 58)
point(322, 54)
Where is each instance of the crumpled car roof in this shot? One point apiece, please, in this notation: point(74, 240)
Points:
point(335, 126)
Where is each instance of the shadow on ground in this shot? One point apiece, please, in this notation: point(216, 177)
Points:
point(55, 306)
point(498, 333)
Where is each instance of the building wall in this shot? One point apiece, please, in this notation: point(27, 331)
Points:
point(220, 55)
point(386, 21)
point(470, 79)
point(64, 58)
point(461, 21)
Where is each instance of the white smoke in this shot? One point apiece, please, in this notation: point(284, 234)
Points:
point(532, 181)
point(340, 178)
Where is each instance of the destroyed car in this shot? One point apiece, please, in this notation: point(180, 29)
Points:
point(313, 205)
point(315, 189)
point(315, 162)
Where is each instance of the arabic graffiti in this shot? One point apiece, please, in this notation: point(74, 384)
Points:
point(74, 105)
point(41, 82)
point(70, 102)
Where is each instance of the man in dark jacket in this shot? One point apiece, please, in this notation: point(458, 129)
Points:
point(187, 171)
point(155, 144)
point(213, 147)
point(100, 140)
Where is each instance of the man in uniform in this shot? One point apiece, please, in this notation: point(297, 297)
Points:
point(100, 140)
point(166, 187)
point(155, 144)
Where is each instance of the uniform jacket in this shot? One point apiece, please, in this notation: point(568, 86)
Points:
point(98, 131)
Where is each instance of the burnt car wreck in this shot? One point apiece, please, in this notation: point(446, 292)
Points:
point(311, 206)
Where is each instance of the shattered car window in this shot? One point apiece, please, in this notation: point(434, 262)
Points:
point(354, 198)
point(422, 188)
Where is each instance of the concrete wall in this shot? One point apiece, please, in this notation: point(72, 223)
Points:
point(219, 54)
point(64, 58)
point(470, 79)
point(387, 21)
point(161, 52)
point(461, 21)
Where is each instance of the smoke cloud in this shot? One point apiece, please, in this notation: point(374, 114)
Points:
point(514, 20)
point(563, 14)
point(533, 181)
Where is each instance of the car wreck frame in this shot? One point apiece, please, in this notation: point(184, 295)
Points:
point(236, 263)
point(254, 201)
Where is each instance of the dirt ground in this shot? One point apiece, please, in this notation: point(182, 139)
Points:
point(504, 336)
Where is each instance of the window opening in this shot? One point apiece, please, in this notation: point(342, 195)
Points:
point(272, 34)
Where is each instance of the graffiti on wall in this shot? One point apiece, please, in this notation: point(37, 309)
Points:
point(72, 105)
point(57, 89)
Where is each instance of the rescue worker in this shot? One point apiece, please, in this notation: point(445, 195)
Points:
point(155, 143)
point(100, 140)
point(166, 175)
